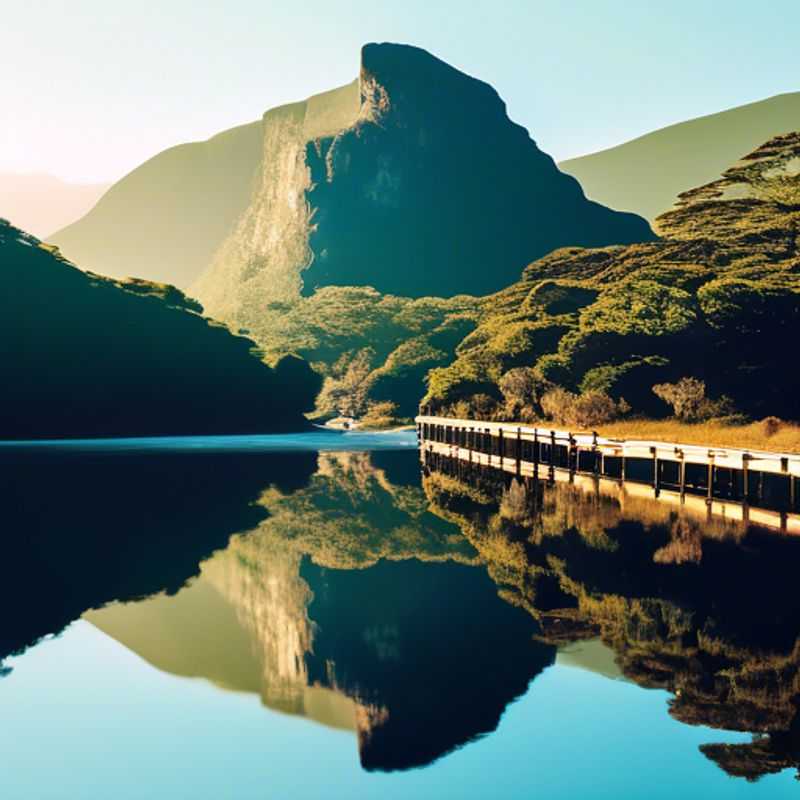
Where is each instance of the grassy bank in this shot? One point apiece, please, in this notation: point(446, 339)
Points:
point(758, 435)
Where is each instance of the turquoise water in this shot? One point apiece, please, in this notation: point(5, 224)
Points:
point(318, 439)
point(84, 717)
point(192, 620)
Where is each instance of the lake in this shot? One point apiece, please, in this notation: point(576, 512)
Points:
point(316, 616)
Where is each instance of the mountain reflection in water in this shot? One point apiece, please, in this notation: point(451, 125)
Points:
point(344, 588)
point(353, 605)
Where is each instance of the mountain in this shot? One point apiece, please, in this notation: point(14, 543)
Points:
point(372, 224)
point(423, 186)
point(716, 299)
point(244, 624)
point(339, 181)
point(164, 220)
point(647, 174)
point(86, 356)
point(42, 204)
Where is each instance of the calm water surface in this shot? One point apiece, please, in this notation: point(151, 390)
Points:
point(310, 616)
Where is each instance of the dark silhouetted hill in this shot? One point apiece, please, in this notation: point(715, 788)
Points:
point(86, 356)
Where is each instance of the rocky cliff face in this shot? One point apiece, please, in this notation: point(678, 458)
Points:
point(262, 258)
point(434, 191)
point(413, 181)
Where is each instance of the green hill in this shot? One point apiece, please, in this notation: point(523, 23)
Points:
point(647, 174)
point(716, 299)
point(86, 356)
point(164, 220)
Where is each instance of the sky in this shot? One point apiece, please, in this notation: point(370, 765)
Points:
point(92, 88)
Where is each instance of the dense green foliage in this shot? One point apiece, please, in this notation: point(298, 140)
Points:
point(369, 346)
point(84, 355)
point(717, 300)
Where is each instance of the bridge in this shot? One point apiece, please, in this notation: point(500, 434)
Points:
point(751, 486)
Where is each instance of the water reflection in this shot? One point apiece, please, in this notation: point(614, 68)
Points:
point(343, 588)
point(704, 609)
point(353, 605)
point(82, 529)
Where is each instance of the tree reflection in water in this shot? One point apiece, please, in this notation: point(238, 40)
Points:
point(704, 609)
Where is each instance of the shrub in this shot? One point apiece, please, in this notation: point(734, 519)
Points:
point(483, 406)
point(594, 408)
point(460, 410)
point(585, 410)
point(556, 402)
point(781, 189)
point(770, 426)
point(347, 392)
point(380, 415)
point(515, 505)
point(685, 547)
point(689, 402)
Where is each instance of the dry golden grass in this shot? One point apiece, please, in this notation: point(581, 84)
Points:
point(756, 436)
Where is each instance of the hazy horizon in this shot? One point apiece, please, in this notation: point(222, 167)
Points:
point(105, 90)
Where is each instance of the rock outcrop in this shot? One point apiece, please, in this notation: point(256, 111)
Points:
point(413, 181)
point(262, 257)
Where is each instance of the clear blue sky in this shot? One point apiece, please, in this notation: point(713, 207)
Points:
point(91, 88)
